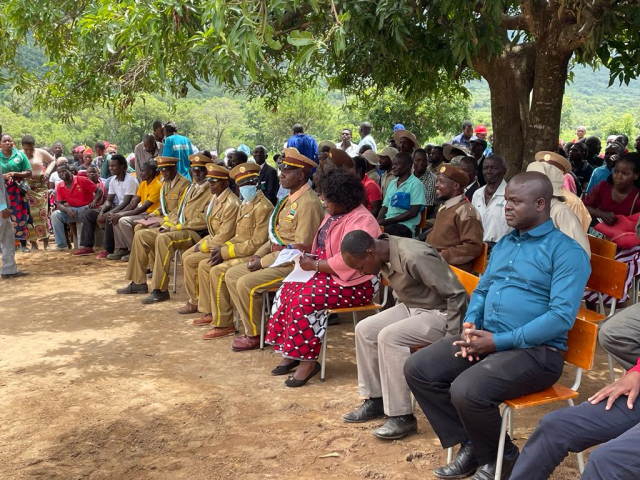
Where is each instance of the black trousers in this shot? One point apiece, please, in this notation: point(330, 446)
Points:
point(461, 399)
point(575, 429)
point(89, 223)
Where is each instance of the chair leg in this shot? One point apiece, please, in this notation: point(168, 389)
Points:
point(506, 413)
point(449, 455)
point(323, 363)
point(236, 320)
point(175, 271)
point(355, 319)
point(612, 374)
point(511, 425)
point(265, 300)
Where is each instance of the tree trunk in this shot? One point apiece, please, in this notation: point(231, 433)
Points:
point(510, 78)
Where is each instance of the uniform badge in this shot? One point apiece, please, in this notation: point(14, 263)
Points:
point(294, 205)
point(243, 169)
point(443, 169)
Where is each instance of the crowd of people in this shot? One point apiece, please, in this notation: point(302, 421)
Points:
point(320, 227)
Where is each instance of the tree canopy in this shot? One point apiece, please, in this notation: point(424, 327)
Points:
point(108, 52)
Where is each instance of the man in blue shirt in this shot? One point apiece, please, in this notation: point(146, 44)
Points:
point(466, 136)
point(305, 144)
point(177, 146)
point(404, 199)
point(514, 334)
point(613, 152)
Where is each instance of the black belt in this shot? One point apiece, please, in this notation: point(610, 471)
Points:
point(554, 349)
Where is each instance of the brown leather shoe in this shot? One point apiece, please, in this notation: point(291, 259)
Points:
point(243, 343)
point(206, 320)
point(188, 309)
point(219, 332)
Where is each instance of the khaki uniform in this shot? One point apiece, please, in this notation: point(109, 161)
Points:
point(171, 196)
point(221, 222)
point(296, 223)
point(251, 233)
point(184, 227)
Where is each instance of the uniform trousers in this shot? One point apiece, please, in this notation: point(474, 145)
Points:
point(620, 336)
point(246, 290)
point(383, 343)
point(150, 243)
point(461, 399)
point(8, 246)
point(190, 261)
point(214, 297)
point(123, 231)
point(575, 429)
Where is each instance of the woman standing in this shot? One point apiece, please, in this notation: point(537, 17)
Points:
point(299, 317)
point(15, 167)
point(38, 196)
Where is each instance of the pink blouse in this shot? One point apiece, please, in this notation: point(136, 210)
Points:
point(357, 219)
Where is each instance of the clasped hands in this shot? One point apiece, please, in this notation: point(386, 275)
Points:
point(474, 344)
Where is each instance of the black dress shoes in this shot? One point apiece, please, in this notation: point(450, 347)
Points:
point(464, 465)
point(488, 471)
point(7, 276)
point(157, 296)
point(397, 427)
point(370, 409)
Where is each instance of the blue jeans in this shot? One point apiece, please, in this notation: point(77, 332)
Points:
point(59, 218)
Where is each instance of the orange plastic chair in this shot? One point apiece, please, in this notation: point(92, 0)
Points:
point(602, 247)
point(480, 263)
point(607, 277)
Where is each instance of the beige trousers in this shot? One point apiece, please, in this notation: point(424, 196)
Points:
point(123, 231)
point(214, 295)
point(190, 261)
point(383, 343)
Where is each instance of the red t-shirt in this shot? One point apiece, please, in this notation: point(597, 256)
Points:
point(372, 189)
point(80, 194)
point(600, 197)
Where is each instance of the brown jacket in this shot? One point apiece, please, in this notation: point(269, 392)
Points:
point(192, 213)
point(297, 222)
point(457, 232)
point(172, 195)
point(251, 228)
point(421, 278)
point(221, 221)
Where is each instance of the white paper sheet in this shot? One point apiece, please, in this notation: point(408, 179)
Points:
point(298, 274)
point(287, 255)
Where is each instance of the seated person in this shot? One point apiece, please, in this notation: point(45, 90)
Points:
point(371, 188)
point(403, 200)
point(489, 200)
point(385, 161)
point(457, 232)
point(581, 168)
point(514, 334)
point(122, 189)
point(372, 165)
point(221, 226)
point(74, 196)
point(183, 228)
point(300, 310)
point(610, 417)
point(470, 166)
point(93, 174)
point(613, 152)
point(563, 218)
point(430, 304)
point(426, 177)
point(571, 200)
point(251, 232)
point(330, 159)
point(293, 224)
point(145, 202)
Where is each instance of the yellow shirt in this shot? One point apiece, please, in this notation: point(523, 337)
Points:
point(150, 192)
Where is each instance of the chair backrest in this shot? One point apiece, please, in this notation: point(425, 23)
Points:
point(468, 281)
point(607, 276)
point(602, 247)
point(582, 344)
point(480, 262)
point(423, 219)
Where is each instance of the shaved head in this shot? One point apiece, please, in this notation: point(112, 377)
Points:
point(528, 200)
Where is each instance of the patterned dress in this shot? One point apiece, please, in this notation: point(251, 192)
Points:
point(20, 215)
point(38, 198)
point(300, 310)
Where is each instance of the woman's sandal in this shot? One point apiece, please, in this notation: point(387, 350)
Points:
point(295, 383)
point(284, 369)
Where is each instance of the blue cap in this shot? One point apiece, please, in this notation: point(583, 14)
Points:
point(245, 149)
point(398, 126)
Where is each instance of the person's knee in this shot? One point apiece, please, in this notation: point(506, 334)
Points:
point(466, 391)
point(605, 338)
point(364, 332)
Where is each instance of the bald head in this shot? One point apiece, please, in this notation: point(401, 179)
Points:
point(528, 200)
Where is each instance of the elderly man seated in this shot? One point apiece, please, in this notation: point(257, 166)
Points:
point(457, 231)
point(489, 200)
point(514, 334)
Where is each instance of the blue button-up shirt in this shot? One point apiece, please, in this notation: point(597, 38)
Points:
point(305, 144)
point(531, 290)
point(600, 174)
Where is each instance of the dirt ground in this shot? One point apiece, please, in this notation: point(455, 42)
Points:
point(95, 385)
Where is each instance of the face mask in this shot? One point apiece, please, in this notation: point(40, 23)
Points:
point(248, 192)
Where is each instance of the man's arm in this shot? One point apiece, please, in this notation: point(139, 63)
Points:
point(471, 233)
point(570, 274)
point(408, 215)
point(123, 204)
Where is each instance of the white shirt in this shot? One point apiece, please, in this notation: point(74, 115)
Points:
point(352, 151)
point(368, 140)
point(55, 178)
point(129, 186)
point(493, 221)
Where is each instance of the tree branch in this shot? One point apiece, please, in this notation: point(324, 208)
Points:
point(515, 22)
